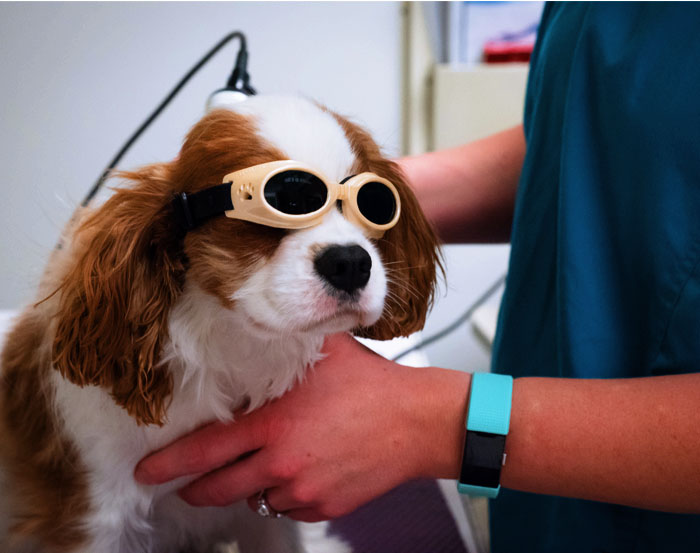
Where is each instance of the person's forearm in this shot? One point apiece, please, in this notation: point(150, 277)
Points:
point(468, 192)
point(634, 442)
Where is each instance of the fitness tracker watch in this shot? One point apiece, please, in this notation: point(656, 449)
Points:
point(488, 420)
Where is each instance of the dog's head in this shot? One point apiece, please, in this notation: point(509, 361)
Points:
point(132, 259)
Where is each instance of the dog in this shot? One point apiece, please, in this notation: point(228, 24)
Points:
point(158, 315)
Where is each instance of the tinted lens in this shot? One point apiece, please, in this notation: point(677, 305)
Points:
point(377, 203)
point(296, 192)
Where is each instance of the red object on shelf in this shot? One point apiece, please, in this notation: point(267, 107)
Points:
point(498, 51)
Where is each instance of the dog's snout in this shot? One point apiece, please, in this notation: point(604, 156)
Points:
point(346, 268)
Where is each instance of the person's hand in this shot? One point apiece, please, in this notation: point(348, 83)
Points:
point(358, 426)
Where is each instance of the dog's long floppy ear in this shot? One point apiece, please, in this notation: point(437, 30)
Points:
point(114, 301)
point(410, 250)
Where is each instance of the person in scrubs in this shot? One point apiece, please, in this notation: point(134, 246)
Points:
point(599, 194)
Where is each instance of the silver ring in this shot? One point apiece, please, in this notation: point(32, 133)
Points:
point(264, 509)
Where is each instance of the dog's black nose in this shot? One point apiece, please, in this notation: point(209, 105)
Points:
point(344, 267)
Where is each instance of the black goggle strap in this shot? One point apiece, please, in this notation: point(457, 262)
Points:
point(191, 210)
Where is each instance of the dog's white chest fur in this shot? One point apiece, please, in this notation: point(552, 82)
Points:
point(218, 366)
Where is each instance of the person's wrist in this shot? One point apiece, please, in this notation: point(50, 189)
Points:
point(444, 404)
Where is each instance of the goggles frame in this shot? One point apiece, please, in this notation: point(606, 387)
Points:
point(242, 196)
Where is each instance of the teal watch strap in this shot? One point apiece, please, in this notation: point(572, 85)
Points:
point(488, 422)
point(481, 491)
point(489, 403)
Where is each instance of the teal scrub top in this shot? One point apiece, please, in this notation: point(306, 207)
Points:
point(604, 280)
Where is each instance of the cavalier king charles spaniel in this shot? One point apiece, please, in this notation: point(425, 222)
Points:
point(201, 286)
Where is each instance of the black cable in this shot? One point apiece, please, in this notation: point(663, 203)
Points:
point(458, 322)
point(239, 69)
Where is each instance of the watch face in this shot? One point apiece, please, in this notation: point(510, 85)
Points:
point(483, 459)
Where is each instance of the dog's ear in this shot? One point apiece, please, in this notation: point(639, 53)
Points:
point(127, 271)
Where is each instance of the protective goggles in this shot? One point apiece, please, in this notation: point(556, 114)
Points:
point(288, 194)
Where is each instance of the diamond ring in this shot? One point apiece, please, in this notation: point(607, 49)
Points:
point(264, 509)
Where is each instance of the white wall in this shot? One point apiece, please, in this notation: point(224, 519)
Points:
point(77, 78)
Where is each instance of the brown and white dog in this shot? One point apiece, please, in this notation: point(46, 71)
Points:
point(142, 333)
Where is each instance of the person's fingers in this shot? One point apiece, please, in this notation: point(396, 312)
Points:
point(306, 515)
point(283, 498)
point(276, 504)
point(276, 501)
point(298, 503)
point(282, 501)
point(229, 484)
point(203, 450)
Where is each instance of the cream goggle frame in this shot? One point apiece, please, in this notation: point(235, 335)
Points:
point(292, 195)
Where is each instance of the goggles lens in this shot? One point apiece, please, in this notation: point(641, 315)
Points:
point(296, 192)
point(377, 203)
